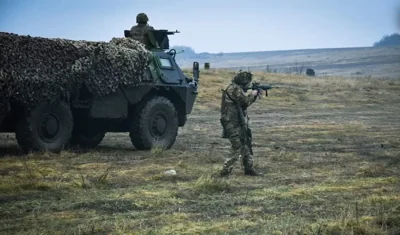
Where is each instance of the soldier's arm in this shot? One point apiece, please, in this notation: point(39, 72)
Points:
point(240, 97)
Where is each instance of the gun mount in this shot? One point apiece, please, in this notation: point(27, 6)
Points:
point(155, 39)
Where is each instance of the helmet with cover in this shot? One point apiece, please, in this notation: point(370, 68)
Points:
point(243, 78)
point(142, 18)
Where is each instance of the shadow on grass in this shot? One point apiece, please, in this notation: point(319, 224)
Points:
point(13, 150)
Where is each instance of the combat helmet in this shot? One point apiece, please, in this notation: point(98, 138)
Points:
point(142, 18)
point(243, 78)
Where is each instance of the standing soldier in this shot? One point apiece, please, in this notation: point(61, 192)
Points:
point(234, 101)
point(139, 30)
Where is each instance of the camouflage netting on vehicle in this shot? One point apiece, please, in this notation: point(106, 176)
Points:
point(121, 61)
point(34, 69)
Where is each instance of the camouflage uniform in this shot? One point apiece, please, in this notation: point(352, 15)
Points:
point(138, 31)
point(231, 123)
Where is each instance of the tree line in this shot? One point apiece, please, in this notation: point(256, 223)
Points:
point(388, 40)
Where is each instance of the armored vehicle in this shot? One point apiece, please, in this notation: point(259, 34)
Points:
point(151, 111)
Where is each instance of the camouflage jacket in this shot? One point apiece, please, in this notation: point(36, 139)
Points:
point(138, 31)
point(234, 93)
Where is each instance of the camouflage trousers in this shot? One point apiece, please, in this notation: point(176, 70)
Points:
point(239, 149)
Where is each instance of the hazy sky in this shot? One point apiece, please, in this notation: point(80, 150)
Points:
point(211, 25)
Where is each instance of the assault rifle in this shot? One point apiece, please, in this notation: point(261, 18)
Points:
point(257, 86)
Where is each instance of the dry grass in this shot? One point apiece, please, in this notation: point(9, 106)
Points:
point(329, 148)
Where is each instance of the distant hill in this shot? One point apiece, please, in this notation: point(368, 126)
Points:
point(380, 60)
point(377, 61)
point(186, 52)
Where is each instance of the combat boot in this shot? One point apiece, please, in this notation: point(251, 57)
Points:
point(252, 172)
point(225, 172)
point(248, 167)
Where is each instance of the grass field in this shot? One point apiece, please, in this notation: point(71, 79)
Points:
point(328, 148)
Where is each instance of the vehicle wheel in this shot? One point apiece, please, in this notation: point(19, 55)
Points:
point(155, 125)
point(86, 139)
point(45, 128)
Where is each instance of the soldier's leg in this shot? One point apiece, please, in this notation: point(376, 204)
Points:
point(247, 158)
point(233, 133)
point(247, 161)
point(233, 155)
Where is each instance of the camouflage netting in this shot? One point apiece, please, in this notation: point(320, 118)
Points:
point(121, 61)
point(34, 69)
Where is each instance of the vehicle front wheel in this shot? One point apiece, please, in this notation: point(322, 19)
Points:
point(155, 124)
point(46, 127)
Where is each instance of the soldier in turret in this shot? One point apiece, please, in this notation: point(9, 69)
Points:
point(138, 31)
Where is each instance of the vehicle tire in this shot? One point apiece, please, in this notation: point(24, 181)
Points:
point(155, 124)
point(46, 127)
point(87, 139)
